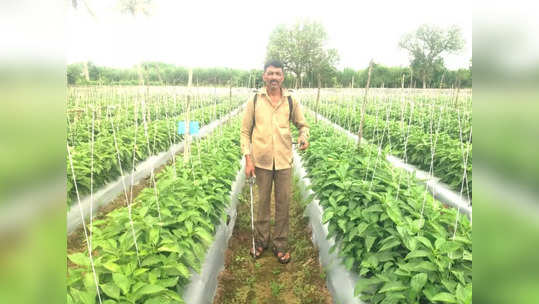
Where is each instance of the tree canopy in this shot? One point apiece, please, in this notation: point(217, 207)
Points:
point(302, 50)
point(427, 46)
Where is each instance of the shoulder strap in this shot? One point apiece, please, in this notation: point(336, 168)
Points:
point(290, 107)
point(254, 109)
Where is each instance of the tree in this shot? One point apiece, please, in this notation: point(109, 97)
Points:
point(427, 46)
point(301, 49)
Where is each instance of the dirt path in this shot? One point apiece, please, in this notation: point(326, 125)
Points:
point(266, 281)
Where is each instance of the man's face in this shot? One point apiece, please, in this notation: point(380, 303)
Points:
point(273, 77)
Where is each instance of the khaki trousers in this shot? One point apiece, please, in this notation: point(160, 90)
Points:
point(264, 180)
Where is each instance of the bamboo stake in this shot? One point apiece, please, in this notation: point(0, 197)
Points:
point(360, 134)
point(402, 101)
point(186, 151)
point(317, 100)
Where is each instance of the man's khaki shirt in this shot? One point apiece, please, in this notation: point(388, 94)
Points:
point(271, 138)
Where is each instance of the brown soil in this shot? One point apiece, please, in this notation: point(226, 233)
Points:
point(265, 280)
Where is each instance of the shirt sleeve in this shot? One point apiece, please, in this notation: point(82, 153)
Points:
point(247, 128)
point(299, 121)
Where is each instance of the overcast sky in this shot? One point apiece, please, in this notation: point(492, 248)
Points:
point(235, 33)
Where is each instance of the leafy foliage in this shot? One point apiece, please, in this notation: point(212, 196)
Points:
point(402, 254)
point(448, 162)
point(106, 167)
point(427, 45)
point(192, 200)
point(301, 48)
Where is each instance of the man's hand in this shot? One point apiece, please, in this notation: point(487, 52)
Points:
point(249, 166)
point(304, 144)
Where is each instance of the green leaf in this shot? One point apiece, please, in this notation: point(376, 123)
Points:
point(418, 281)
point(154, 236)
point(342, 224)
point(439, 242)
point(417, 225)
point(121, 281)
point(111, 290)
point(394, 214)
point(422, 266)
point(204, 235)
point(390, 245)
point(156, 300)
point(328, 214)
point(140, 271)
point(150, 289)
point(89, 282)
point(464, 294)
point(151, 260)
point(84, 297)
point(444, 297)
point(168, 282)
point(361, 228)
point(392, 286)
point(349, 262)
point(113, 267)
point(69, 299)
point(450, 246)
point(369, 241)
point(417, 254)
point(183, 270)
point(364, 285)
point(424, 241)
point(79, 258)
point(173, 248)
point(467, 255)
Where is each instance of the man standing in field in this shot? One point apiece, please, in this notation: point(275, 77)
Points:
point(266, 126)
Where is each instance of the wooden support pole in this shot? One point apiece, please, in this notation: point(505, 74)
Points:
point(186, 150)
point(360, 134)
point(317, 99)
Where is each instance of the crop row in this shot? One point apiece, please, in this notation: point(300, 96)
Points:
point(126, 114)
point(391, 232)
point(430, 114)
point(172, 239)
point(161, 135)
point(442, 118)
point(448, 161)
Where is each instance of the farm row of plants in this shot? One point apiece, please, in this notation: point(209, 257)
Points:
point(125, 110)
point(448, 162)
point(447, 114)
point(171, 237)
point(454, 122)
point(161, 135)
point(390, 231)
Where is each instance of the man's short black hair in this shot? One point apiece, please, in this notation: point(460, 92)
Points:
point(273, 63)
